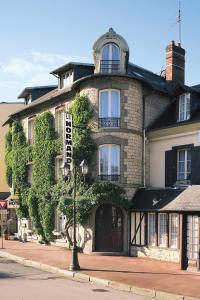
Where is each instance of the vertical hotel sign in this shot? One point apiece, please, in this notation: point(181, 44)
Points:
point(68, 147)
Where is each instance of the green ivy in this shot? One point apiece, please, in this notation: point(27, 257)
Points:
point(39, 200)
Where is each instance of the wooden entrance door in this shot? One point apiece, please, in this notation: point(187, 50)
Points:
point(109, 229)
point(193, 241)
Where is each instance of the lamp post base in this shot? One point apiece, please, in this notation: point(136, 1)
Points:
point(74, 262)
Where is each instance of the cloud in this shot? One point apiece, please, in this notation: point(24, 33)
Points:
point(32, 68)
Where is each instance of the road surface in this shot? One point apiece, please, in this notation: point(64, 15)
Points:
point(18, 282)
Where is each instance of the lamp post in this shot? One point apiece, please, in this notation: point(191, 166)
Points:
point(74, 265)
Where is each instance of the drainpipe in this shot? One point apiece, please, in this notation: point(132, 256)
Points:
point(143, 144)
point(144, 138)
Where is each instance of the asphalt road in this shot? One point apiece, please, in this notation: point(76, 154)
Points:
point(18, 282)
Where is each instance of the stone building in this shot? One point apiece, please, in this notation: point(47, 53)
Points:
point(143, 126)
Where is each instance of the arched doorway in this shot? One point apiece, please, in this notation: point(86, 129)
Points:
point(109, 229)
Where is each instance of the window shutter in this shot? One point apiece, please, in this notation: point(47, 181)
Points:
point(170, 167)
point(195, 165)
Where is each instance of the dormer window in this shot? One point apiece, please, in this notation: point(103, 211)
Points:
point(66, 79)
point(184, 107)
point(110, 59)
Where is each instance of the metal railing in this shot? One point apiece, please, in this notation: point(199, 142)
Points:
point(110, 66)
point(109, 122)
point(110, 178)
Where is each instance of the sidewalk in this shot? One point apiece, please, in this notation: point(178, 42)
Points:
point(138, 272)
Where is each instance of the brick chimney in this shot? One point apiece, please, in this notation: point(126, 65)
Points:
point(175, 63)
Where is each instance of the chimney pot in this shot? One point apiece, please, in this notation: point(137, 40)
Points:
point(175, 63)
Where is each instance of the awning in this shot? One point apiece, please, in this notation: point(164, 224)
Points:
point(169, 199)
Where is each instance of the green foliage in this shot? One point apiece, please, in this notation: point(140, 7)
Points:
point(35, 201)
point(81, 111)
point(8, 157)
point(83, 144)
point(43, 174)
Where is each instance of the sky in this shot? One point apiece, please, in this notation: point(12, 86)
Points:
point(37, 36)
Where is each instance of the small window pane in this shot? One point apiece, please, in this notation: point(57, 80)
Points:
point(162, 230)
point(152, 229)
point(115, 160)
point(105, 53)
point(104, 160)
point(115, 104)
point(104, 104)
point(115, 52)
point(173, 230)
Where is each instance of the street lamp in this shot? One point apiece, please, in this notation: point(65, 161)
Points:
point(84, 168)
point(66, 172)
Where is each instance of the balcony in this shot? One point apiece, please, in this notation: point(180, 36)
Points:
point(110, 66)
point(109, 122)
point(110, 178)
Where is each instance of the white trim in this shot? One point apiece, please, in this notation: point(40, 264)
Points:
point(184, 97)
point(185, 163)
point(109, 101)
point(185, 134)
point(159, 231)
point(109, 158)
point(154, 237)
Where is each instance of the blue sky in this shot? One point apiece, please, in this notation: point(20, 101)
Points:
point(38, 36)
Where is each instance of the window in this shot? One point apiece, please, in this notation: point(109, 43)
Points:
point(152, 229)
point(58, 170)
point(110, 59)
point(109, 162)
point(30, 131)
point(30, 174)
point(60, 221)
point(59, 122)
point(183, 164)
point(109, 108)
point(162, 238)
point(66, 79)
point(173, 230)
point(184, 107)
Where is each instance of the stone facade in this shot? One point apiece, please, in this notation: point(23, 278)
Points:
point(156, 253)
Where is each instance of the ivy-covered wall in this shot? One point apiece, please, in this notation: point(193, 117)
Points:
point(35, 201)
point(39, 200)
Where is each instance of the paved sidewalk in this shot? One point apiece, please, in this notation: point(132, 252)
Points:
point(139, 272)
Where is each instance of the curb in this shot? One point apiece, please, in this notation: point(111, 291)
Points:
point(159, 295)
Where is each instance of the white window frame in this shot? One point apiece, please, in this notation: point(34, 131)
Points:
point(162, 236)
point(186, 114)
point(109, 158)
point(172, 234)
point(186, 173)
point(68, 76)
point(109, 101)
point(110, 54)
point(154, 237)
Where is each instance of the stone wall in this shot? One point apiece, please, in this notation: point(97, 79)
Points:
point(156, 253)
point(128, 136)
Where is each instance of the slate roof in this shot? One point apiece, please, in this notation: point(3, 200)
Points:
point(29, 89)
point(4, 195)
point(169, 199)
point(69, 66)
point(157, 82)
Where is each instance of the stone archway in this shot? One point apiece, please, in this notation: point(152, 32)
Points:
point(109, 229)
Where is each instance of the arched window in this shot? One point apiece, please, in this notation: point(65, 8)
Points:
point(109, 162)
point(109, 108)
point(110, 59)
